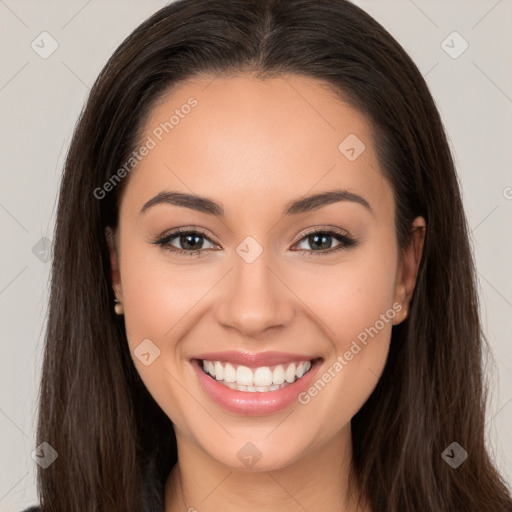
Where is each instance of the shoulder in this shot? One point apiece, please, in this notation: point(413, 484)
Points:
point(32, 509)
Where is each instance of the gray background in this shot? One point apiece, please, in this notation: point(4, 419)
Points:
point(40, 100)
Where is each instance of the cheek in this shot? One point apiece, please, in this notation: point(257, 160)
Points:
point(158, 300)
point(350, 296)
point(354, 302)
point(156, 293)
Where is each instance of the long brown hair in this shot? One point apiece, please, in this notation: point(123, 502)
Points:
point(116, 446)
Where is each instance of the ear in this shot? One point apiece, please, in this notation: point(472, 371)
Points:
point(114, 262)
point(408, 268)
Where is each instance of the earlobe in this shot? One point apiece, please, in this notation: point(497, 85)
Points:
point(409, 266)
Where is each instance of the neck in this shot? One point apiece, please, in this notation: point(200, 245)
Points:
point(318, 481)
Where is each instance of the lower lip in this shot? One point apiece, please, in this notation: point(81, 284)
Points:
point(255, 403)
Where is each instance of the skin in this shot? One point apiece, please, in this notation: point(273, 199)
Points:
point(254, 145)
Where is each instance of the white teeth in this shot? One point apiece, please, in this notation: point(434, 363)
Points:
point(244, 376)
point(290, 373)
point(300, 369)
point(252, 389)
point(258, 388)
point(263, 376)
point(263, 379)
point(278, 375)
point(229, 373)
point(219, 371)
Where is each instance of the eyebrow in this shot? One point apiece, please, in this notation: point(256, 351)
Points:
point(294, 207)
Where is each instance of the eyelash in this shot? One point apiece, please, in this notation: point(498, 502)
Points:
point(345, 240)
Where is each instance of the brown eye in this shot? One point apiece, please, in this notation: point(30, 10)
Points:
point(191, 242)
point(321, 242)
point(184, 242)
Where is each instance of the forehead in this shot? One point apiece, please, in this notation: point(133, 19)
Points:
point(244, 137)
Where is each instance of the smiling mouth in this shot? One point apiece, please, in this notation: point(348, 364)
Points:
point(260, 379)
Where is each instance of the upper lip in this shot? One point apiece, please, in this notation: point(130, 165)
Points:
point(253, 360)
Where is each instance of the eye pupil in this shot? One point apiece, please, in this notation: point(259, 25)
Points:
point(322, 238)
point(188, 241)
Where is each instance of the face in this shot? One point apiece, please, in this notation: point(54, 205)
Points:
point(268, 317)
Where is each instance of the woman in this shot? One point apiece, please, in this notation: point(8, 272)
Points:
point(263, 295)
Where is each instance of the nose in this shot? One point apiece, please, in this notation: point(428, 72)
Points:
point(254, 298)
